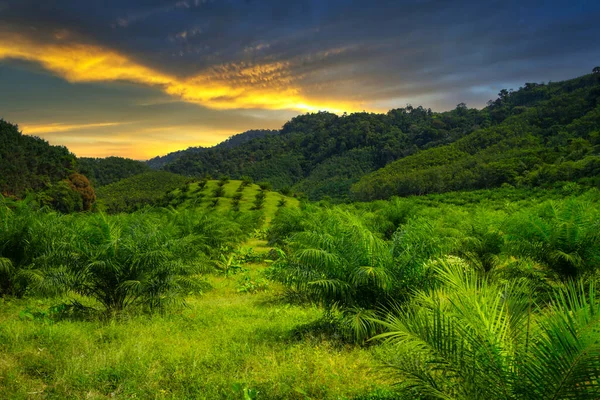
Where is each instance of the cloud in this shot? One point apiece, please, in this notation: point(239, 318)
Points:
point(225, 66)
point(232, 86)
point(38, 129)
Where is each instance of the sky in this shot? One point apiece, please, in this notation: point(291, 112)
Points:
point(141, 78)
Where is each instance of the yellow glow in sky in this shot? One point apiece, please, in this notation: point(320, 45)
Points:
point(41, 129)
point(266, 86)
point(232, 86)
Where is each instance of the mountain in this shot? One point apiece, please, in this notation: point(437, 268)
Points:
point(233, 141)
point(30, 163)
point(549, 135)
point(324, 155)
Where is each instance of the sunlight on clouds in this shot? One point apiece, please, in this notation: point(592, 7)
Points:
point(233, 86)
point(37, 129)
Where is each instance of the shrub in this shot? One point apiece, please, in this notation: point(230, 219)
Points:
point(219, 191)
point(259, 200)
point(265, 186)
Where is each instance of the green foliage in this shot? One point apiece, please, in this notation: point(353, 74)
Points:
point(563, 236)
point(201, 185)
point(543, 135)
point(61, 197)
point(138, 191)
point(30, 163)
point(123, 262)
point(264, 186)
point(322, 154)
point(237, 196)
point(219, 191)
point(340, 264)
point(146, 260)
point(233, 141)
point(241, 202)
point(228, 265)
point(249, 285)
point(259, 200)
point(25, 237)
point(104, 171)
point(345, 259)
point(473, 338)
point(505, 320)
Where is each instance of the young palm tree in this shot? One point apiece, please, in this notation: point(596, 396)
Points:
point(473, 338)
point(564, 236)
point(340, 265)
point(121, 262)
point(25, 236)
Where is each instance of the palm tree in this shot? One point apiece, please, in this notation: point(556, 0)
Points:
point(25, 236)
point(473, 338)
point(342, 266)
point(123, 261)
point(564, 236)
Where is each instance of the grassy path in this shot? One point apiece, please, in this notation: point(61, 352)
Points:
point(224, 342)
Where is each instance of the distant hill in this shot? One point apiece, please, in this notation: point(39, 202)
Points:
point(235, 140)
point(104, 171)
point(538, 135)
point(324, 155)
point(548, 134)
point(30, 163)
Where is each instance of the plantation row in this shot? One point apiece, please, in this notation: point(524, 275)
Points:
point(147, 259)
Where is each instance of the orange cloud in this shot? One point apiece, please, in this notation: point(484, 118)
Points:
point(265, 86)
point(37, 129)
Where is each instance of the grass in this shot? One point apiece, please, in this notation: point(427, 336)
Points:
point(203, 197)
point(223, 340)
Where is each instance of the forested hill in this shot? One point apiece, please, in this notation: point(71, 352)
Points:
point(30, 163)
point(550, 134)
point(104, 171)
point(324, 154)
point(235, 140)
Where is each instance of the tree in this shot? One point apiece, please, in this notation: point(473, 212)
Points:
point(80, 184)
point(473, 338)
point(259, 200)
point(122, 262)
point(596, 71)
point(63, 198)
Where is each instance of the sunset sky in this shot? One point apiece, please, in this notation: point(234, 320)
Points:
point(140, 78)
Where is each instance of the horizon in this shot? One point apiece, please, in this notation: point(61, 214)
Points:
point(122, 78)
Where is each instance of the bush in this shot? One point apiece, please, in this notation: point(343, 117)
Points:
point(219, 191)
point(259, 200)
point(265, 186)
